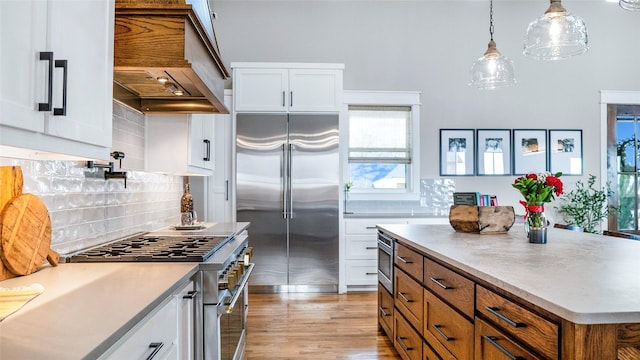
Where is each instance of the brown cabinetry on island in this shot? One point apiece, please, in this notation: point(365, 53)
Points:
point(454, 300)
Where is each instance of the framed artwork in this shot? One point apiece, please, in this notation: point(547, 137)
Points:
point(565, 151)
point(493, 151)
point(529, 151)
point(457, 152)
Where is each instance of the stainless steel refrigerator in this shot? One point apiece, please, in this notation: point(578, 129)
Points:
point(287, 170)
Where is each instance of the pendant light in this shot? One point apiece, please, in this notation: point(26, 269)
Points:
point(633, 5)
point(556, 35)
point(492, 70)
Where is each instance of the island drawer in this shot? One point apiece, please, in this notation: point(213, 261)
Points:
point(408, 298)
point(407, 341)
point(409, 261)
point(526, 326)
point(385, 311)
point(447, 327)
point(491, 343)
point(428, 353)
point(454, 288)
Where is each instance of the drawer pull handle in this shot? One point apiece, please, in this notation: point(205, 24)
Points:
point(437, 281)
point(372, 273)
point(371, 227)
point(156, 346)
point(63, 110)
point(383, 312)
point(492, 341)
point(190, 295)
point(404, 260)
point(495, 311)
point(404, 346)
point(404, 297)
point(372, 247)
point(447, 338)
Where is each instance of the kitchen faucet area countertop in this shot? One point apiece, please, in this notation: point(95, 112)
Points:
point(86, 308)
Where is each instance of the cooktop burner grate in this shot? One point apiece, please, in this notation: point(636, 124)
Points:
point(154, 248)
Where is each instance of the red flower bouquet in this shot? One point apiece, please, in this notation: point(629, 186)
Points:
point(538, 189)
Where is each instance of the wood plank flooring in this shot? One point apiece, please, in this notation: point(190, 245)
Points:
point(314, 326)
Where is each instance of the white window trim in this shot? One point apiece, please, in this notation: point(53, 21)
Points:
point(611, 97)
point(381, 98)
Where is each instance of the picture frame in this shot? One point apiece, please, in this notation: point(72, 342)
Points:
point(565, 151)
point(457, 152)
point(493, 152)
point(529, 151)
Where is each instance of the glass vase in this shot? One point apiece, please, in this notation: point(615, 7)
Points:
point(536, 223)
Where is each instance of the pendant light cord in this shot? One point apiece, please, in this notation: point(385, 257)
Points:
point(491, 19)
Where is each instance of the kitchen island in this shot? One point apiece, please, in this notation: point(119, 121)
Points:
point(577, 297)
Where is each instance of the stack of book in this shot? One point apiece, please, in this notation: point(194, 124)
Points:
point(474, 198)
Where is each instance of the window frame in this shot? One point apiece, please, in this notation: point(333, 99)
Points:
point(384, 98)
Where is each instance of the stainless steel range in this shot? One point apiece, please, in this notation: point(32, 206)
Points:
point(221, 295)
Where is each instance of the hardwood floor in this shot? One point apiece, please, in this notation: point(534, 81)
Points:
point(314, 326)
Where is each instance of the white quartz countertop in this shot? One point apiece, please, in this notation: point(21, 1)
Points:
point(85, 308)
point(583, 278)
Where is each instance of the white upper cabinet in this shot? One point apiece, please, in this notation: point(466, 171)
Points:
point(180, 144)
point(56, 66)
point(287, 87)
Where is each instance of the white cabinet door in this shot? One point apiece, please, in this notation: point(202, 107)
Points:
point(77, 114)
point(294, 89)
point(186, 322)
point(81, 32)
point(23, 77)
point(261, 89)
point(175, 143)
point(315, 90)
point(201, 140)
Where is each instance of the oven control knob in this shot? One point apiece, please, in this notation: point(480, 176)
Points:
point(223, 283)
point(248, 252)
point(232, 280)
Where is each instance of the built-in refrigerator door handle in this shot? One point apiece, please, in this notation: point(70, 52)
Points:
point(290, 158)
point(285, 184)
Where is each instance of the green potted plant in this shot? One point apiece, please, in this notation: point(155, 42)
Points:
point(585, 206)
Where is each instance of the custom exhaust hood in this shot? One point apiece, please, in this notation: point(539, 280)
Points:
point(164, 62)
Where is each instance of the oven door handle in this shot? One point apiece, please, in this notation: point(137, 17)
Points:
point(227, 308)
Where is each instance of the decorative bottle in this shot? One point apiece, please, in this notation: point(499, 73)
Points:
point(186, 207)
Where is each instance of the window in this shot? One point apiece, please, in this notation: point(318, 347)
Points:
point(627, 143)
point(379, 146)
point(382, 144)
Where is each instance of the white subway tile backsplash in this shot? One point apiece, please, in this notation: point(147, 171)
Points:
point(86, 210)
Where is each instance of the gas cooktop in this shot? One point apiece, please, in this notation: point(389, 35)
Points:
point(149, 247)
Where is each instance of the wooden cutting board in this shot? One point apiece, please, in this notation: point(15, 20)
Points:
point(11, 181)
point(25, 234)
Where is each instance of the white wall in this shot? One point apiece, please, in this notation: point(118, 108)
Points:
point(429, 46)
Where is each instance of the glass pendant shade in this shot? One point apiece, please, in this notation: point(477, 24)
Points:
point(633, 5)
point(556, 35)
point(492, 70)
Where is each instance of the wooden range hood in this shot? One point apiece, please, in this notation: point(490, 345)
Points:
point(164, 39)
